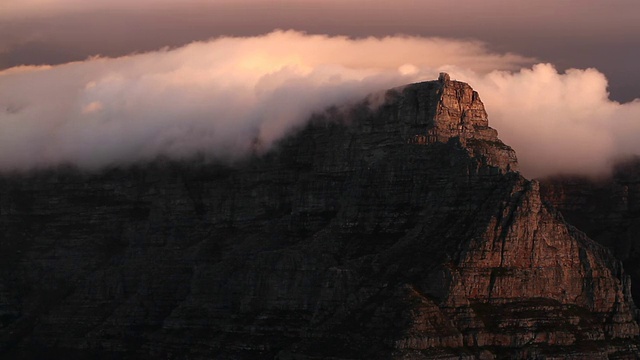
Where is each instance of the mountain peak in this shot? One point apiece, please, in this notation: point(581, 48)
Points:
point(347, 241)
point(444, 111)
point(457, 110)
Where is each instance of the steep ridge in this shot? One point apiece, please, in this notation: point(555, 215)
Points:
point(607, 209)
point(399, 231)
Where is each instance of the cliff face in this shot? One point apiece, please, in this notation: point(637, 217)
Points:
point(607, 210)
point(396, 232)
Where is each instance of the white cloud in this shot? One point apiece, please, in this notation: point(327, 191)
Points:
point(218, 96)
point(559, 122)
point(215, 96)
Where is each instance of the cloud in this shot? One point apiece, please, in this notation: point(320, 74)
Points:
point(215, 97)
point(218, 97)
point(559, 123)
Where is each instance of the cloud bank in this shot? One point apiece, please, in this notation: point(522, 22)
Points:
point(559, 123)
point(217, 97)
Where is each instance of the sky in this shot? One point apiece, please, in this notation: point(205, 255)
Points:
point(112, 81)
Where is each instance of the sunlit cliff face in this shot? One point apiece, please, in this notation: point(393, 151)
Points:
point(217, 97)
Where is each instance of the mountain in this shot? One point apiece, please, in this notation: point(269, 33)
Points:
point(398, 231)
point(606, 209)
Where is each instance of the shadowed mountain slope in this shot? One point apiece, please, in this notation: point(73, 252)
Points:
point(400, 231)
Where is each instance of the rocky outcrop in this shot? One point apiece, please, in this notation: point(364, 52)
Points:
point(450, 110)
point(395, 232)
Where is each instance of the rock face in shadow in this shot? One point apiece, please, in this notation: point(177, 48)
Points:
point(393, 232)
point(607, 209)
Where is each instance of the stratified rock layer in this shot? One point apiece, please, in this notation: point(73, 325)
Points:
point(397, 232)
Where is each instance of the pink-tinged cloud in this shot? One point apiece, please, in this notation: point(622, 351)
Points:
point(569, 33)
point(217, 97)
point(559, 122)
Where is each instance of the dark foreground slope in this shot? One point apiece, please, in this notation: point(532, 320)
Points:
point(401, 232)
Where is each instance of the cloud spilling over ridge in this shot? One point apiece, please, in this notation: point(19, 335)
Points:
point(215, 97)
point(559, 123)
point(218, 96)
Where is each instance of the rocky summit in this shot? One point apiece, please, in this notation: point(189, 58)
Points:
point(393, 231)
